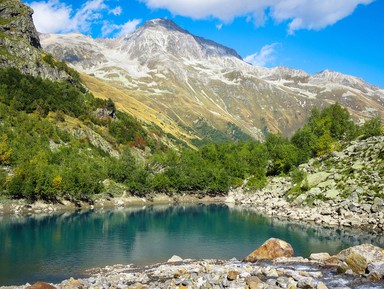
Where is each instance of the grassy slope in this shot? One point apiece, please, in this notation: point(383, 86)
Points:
point(126, 103)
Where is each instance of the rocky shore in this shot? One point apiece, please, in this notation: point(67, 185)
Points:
point(345, 189)
point(356, 267)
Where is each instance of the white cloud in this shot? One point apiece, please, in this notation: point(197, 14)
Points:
point(119, 30)
point(116, 11)
point(300, 14)
point(264, 57)
point(54, 16)
point(219, 26)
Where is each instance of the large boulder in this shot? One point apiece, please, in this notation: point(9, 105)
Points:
point(378, 205)
point(359, 257)
point(316, 178)
point(272, 248)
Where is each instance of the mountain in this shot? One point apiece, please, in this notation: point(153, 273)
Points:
point(206, 88)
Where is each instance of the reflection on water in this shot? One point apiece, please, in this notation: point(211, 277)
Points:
point(55, 247)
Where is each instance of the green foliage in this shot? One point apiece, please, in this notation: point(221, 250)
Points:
point(327, 129)
point(214, 168)
point(27, 93)
point(73, 170)
point(372, 127)
point(127, 130)
point(297, 176)
point(283, 155)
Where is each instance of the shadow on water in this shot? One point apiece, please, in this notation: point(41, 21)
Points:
point(56, 247)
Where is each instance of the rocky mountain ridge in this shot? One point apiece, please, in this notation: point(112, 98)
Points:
point(20, 45)
point(205, 86)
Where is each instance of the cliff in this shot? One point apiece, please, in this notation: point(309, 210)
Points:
point(20, 44)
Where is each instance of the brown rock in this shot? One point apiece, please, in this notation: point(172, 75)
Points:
point(358, 257)
point(253, 282)
point(273, 248)
point(41, 285)
point(232, 275)
point(333, 260)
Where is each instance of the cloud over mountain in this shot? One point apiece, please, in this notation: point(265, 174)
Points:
point(300, 14)
point(53, 16)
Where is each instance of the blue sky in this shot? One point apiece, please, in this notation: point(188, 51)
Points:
point(312, 35)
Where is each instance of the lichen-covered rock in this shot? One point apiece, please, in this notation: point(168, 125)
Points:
point(317, 178)
point(273, 248)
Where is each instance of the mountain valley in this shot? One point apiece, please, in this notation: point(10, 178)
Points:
point(206, 89)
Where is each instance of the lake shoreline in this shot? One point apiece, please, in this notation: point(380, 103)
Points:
point(283, 272)
point(191, 273)
point(269, 201)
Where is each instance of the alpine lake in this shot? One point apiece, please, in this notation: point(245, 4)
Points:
point(53, 247)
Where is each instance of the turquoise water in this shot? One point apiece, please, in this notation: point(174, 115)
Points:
point(55, 247)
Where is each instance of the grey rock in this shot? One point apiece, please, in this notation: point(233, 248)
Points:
point(332, 194)
point(20, 43)
point(378, 205)
point(317, 178)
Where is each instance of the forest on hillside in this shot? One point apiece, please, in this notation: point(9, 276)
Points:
point(41, 160)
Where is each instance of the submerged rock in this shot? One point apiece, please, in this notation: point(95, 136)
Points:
point(273, 248)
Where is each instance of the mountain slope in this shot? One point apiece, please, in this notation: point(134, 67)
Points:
point(204, 86)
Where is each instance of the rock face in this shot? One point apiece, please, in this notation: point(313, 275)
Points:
point(17, 22)
point(273, 248)
point(19, 42)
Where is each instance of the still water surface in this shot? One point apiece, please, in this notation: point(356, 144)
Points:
point(56, 247)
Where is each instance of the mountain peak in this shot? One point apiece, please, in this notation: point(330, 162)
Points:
point(338, 77)
point(165, 23)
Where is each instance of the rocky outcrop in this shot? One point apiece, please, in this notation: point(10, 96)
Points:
point(17, 22)
point(345, 188)
point(272, 248)
point(19, 42)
